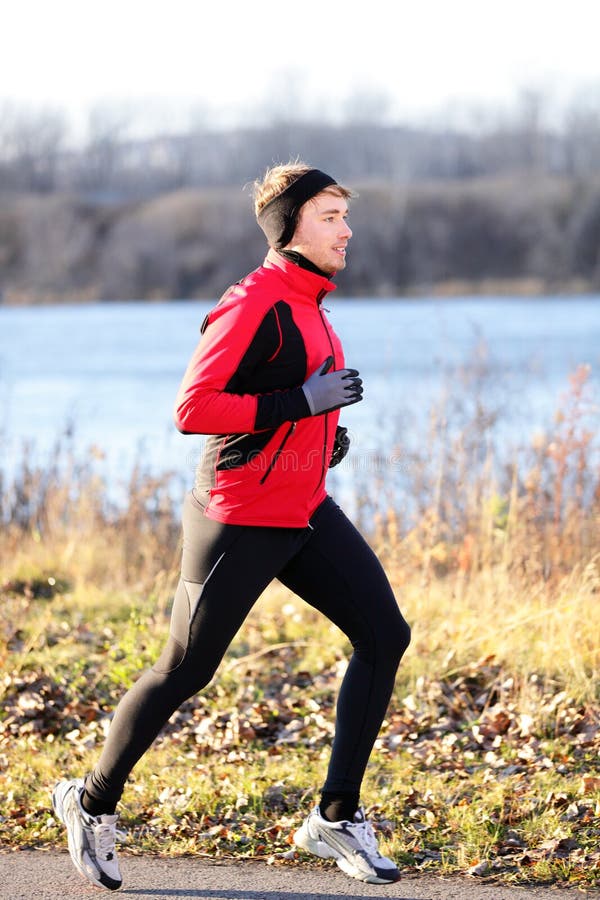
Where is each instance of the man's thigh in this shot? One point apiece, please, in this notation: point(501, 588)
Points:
point(338, 573)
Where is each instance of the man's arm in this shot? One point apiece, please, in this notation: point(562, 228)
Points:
point(231, 345)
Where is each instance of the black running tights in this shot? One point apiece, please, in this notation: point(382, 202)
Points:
point(224, 570)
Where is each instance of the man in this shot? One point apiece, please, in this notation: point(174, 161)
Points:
point(266, 383)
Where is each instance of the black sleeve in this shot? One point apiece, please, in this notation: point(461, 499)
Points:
point(277, 406)
point(262, 346)
point(281, 406)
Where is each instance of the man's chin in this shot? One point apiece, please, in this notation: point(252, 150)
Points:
point(338, 266)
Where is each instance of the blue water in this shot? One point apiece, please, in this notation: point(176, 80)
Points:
point(110, 371)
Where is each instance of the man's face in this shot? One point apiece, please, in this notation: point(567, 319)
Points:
point(322, 232)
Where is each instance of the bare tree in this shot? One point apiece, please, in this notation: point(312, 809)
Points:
point(31, 143)
point(582, 134)
point(108, 126)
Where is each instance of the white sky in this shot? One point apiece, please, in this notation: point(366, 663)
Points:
point(427, 55)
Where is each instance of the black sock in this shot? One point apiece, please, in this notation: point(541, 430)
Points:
point(96, 807)
point(339, 806)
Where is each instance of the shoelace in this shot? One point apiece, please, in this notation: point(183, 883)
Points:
point(367, 836)
point(105, 836)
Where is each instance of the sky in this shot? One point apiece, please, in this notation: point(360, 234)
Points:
point(227, 59)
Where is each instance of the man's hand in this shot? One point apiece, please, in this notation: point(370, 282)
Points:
point(341, 445)
point(325, 391)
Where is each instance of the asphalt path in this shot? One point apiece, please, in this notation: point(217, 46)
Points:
point(49, 875)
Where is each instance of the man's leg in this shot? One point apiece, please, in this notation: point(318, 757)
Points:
point(338, 573)
point(224, 570)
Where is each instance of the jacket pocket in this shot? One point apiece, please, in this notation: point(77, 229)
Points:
point(278, 452)
point(237, 450)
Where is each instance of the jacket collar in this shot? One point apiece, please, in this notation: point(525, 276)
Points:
point(302, 280)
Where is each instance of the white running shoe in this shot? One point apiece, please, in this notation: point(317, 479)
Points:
point(91, 838)
point(353, 845)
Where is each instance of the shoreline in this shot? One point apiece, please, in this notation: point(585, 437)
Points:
point(452, 289)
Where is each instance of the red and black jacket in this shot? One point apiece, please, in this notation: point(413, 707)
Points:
point(266, 458)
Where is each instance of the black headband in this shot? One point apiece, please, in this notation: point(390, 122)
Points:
point(278, 217)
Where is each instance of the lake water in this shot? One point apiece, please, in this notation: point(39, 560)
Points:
point(111, 371)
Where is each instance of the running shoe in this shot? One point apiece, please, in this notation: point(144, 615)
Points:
point(91, 838)
point(353, 845)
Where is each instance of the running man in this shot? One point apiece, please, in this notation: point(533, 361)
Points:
point(266, 383)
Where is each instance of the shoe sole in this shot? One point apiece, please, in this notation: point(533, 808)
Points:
point(324, 851)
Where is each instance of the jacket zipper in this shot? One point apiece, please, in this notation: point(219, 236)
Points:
point(278, 452)
point(326, 428)
point(292, 427)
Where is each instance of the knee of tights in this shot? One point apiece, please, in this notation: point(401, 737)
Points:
point(181, 683)
point(389, 642)
point(171, 657)
point(404, 636)
point(393, 644)
point(175, 666)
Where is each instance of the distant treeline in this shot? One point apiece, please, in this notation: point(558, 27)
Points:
point(507, 207)
point(518, 234)
point(36, 155)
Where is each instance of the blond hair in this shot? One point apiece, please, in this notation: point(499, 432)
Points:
point(278, 178)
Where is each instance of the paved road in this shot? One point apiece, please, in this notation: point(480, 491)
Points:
point(49, 875)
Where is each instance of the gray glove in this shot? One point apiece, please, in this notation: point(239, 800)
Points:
point(325, 392)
